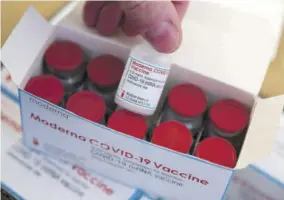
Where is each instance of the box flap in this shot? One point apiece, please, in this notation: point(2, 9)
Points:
point(262, 132)
point(24, 44)
point(229, 44)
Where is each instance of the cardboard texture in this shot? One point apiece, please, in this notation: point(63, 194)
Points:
point(154, 169)
point(12, 12)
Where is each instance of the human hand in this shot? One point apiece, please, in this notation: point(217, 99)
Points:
point(159, 22)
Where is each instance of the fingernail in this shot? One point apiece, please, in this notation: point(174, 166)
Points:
point(164, 37)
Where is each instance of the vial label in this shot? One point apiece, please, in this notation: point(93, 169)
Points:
point(142, 83)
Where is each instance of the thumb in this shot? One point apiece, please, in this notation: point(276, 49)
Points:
point(157, 21)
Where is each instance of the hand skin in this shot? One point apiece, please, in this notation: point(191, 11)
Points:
point(159, 22)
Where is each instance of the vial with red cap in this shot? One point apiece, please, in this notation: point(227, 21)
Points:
point(65, 60)
point(217, 150)
point(150, 121)
point(186, 104)
point(47, 87)
point(173, 135)
point(228, 119)
point(129, 123)
point(88, 105)
point(104, 74)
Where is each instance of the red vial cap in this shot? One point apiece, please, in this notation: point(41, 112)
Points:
point(105, 70)
point(64, 56)
point(47, 87)
point(217, 150)
point(229, 116)
point(173, 135)
point(87, 104)
point(187, 100)
point(129, 123)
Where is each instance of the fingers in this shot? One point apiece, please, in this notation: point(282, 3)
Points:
point(181, 7)
point(109, 19)
point(91, 12)
point(157, 21)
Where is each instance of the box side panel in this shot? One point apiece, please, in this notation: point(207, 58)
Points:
point(36, 67)
point(92, 46)
point(24, 43)
point(61, 134)
point(20, 164)
point(273, 166)
point(262, 131)
point(250, 183)
point(7, 82)
point(65, 181)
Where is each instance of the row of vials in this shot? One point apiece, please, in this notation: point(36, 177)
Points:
point(186, 124)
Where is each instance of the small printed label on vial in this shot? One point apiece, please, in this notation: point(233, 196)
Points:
point(142, 83)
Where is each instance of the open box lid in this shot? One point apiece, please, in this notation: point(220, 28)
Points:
point(262, 132)
point(22, 47)
point(232, 41)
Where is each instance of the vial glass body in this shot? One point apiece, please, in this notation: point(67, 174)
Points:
point(186, 104)
point(107, 94)
point(143, 80)
point(228, 119)
point(104, 73)
point(194, 124)
point(66, 61)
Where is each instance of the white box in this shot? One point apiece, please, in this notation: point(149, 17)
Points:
point(212, 57)
point(31, 176)
point(265, 181)
point(262, 181)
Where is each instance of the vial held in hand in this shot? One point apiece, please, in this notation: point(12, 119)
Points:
point(143, 80)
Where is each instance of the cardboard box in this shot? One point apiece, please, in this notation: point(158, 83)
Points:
point(261, 181)
point(216, 51)
point(254, 183)
point(24, 170)
point(23, 167)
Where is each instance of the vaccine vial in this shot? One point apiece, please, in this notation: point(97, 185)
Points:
point(65, 60)
point(217, 150)
point(228, 119)
point(173, 135)
point(88, 105)
point(143, 80)
point(186, 104)
point(47, 87)
point(150, 121)
point(129, 123)
point(104, 73)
